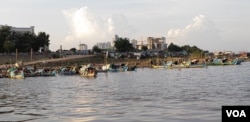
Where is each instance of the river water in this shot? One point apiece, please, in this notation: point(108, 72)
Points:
point(173, 95)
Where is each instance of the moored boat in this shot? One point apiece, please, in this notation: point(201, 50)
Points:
point(15, 73)
point(45, 72)
point(164, 65)
point(88, 71)
point(68, 71)
point(226, 61)
point(132, 68)
point(118, 68)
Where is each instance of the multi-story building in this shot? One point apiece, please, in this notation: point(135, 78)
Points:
point(114, 39)
point(134, 43)
point(30, 29)
point(156, 43)
point(83, 47)
point(137, 44)
point(104, 45)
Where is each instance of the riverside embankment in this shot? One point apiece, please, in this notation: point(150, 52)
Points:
point(50, 62)
point(70, 60)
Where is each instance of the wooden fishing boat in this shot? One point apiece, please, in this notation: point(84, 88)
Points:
point(164, 65)
point(88, 71)
point(118, 68)
point(159, 66)
point(45, 72)
point(226, 61)
point(16, 74)
point(132, 68)
point(68, 71)
point(104, 68)
point(28, 73)
point(195, 64)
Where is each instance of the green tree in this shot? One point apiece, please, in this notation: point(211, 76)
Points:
point(123, 45)
point(73, 49)
point(26, 41)
point(23, 41)
point(96, 49)
point(191, 50)
point(8, 46)
point(4, 34)
point(42, 40)
point(174, 48)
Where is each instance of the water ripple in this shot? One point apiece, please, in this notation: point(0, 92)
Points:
point(186, 95)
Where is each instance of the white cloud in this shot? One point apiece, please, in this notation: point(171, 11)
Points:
point(199, 32)
point(90, 29)
point(86, 28)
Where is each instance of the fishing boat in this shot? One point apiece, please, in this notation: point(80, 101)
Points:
point(132, 68)
point(68, 70)
point(88, 71)
point(177, 66)
point(104, 68)
point(195, 64)
point(236, 61)
point(159, 66)
point(45, 72)
point(15, 73)
point(164, 65)
point(118, 68)
point(226, 61)
point(28, 73)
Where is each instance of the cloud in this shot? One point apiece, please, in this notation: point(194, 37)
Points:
point(87, 28)
point(199, 32)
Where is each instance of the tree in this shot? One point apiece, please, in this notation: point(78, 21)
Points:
point(192, 50)
point(174, 48)
point(96, 49)
point(23, 41)
point(144, 48)
point(42, 40)
point(73, 49)
point(123, 45)
point(26, 41)
point(4, 34)
point(8, 46)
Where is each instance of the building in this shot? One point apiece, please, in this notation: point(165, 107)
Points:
point(156, 43)
point(138, 44)
point(83, 47)
point(134, 43)
point(115, 38)
point(30, 29)
point(104, 45)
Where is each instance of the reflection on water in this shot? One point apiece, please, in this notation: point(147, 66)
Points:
point(190, 95)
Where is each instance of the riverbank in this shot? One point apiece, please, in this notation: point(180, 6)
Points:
point(72, 60)
point(96, 60)
point(54, 62)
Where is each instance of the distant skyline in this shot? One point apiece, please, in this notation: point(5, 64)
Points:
point(214, 25)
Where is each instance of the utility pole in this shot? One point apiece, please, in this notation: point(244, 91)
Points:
point(31, 50)
point(60, 51)
point(16, 54)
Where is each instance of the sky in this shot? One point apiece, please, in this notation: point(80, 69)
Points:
point(214, 25)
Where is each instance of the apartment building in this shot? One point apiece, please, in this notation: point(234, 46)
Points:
point(104, 45)
point(156, 43)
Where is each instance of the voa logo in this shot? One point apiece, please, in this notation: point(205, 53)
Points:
point(236, 113)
